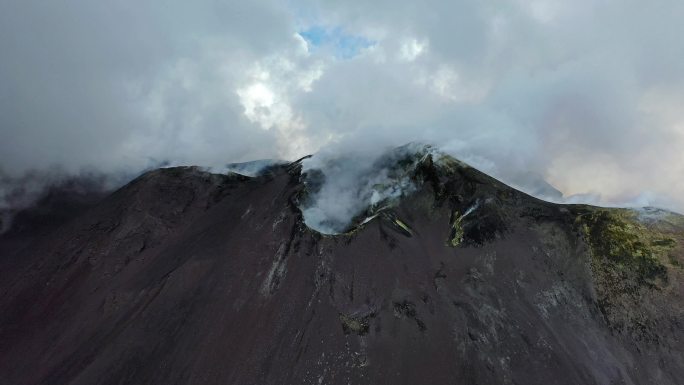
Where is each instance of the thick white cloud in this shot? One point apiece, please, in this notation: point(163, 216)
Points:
point(585, 93)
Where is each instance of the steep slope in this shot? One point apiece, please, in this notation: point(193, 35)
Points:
point(185, 277)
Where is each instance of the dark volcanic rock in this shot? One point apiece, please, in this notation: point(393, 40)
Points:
point(188, 277)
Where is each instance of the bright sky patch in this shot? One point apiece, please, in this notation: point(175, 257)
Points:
point(344, 45)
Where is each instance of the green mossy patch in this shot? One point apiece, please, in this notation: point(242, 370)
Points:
point(629, 260)
point(618, 241)
point(456, 234)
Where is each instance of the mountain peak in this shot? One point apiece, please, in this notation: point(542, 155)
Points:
point(222, 279)
point(342, 193)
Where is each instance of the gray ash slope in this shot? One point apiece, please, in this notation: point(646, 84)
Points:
point(186, 277)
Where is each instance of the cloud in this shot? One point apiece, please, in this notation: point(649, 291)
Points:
point(116, 85)
point(586, 94)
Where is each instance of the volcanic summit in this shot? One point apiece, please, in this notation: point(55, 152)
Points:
point(189, 277)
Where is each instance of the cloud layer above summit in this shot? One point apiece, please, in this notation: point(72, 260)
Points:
point(587, 94)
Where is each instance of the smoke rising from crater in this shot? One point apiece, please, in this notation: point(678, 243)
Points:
point(343, 187)
point(587, 94)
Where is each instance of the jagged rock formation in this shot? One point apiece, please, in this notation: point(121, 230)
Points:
point(186, 277)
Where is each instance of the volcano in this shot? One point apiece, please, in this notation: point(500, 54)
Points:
point(187, 277)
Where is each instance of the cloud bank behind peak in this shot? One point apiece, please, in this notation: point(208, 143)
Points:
point(586, 94)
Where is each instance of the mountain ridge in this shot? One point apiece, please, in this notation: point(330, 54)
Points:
point(183, 276)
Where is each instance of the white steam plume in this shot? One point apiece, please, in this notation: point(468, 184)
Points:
point(585, 94)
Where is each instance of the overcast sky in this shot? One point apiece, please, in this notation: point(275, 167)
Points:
point(588, 94)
